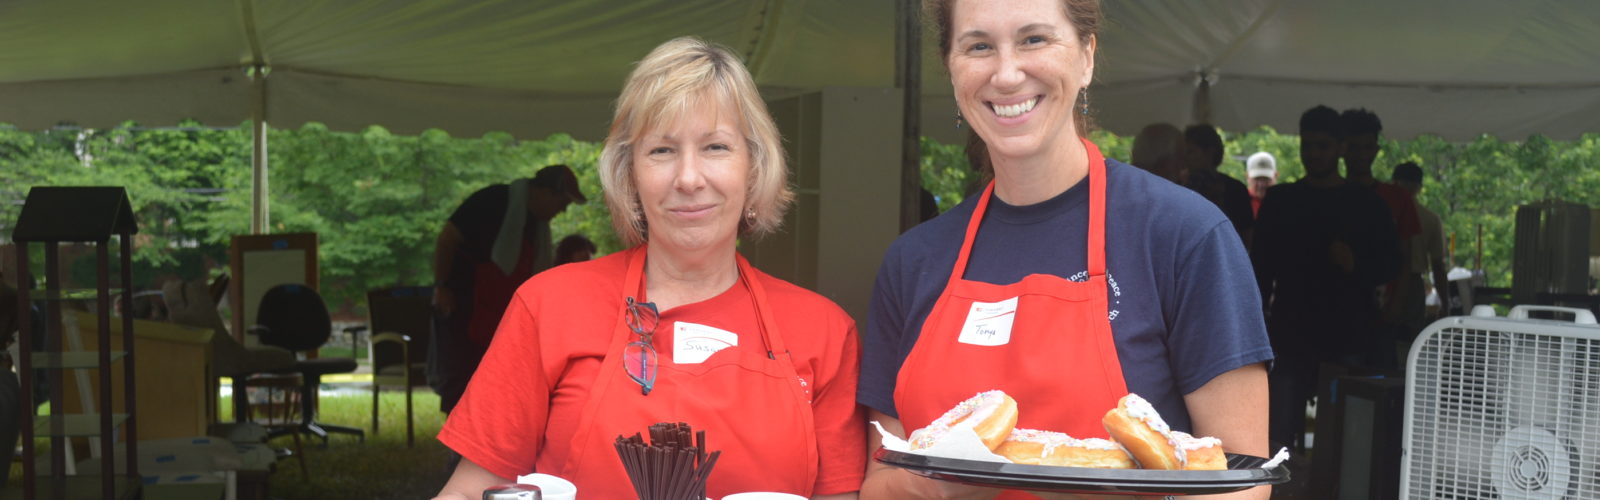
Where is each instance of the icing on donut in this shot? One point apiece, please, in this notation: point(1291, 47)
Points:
point(1137, 426)
point(1201, 453)
point(1052, 440)
point(991, 415)
point(1138, 408)
point(1035, 447)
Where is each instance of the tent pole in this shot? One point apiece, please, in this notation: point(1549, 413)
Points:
point(1200, 108)
point(258, 153)
point(908, 73)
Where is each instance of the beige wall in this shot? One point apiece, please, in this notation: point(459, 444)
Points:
point(844, 150)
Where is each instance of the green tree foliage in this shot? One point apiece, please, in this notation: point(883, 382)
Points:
point(1471, 185)
point(377, 200)
point(173, 177)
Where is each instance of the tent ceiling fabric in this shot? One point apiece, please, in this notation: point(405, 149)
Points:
point(1454, 68)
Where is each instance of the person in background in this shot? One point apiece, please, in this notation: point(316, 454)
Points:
point(497, 239)
point(1321, 246)
point(679, 327)
point(927, 205)
point(1110, 280)
point(1202, 157)
point(1426, 259)
point(1262, 170)
point(574, 248)
point(1360, 132)
point(10, 389)
point(1158, 148)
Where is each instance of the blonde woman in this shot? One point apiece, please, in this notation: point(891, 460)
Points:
point(679, 328)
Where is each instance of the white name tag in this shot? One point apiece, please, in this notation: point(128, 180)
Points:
point(692, 343)
point(989, 323)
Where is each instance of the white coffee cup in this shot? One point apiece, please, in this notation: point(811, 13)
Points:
point(763, 495)
point(551, 487)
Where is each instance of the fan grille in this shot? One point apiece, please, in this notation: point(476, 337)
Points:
point(1498, 413)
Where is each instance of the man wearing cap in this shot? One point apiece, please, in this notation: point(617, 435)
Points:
point(497, 239)
point(1261, 170)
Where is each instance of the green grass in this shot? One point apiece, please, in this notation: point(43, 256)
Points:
point(359, 354)
point(382, 468)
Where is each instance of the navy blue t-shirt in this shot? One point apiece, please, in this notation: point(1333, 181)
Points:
point(1184, 306)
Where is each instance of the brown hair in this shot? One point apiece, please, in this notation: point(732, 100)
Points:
point(1084, 15)
point(1085, 18)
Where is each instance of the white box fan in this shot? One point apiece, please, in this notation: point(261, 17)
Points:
point(1504, 408)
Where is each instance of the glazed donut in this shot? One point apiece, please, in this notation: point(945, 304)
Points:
point(991, 415)
point(1035, 447)
point(1137, 426)
point(1202, 453)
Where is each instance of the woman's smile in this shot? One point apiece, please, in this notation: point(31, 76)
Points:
point(1012, 110)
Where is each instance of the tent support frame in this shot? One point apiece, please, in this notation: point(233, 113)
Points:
point(259, 222)
point(908, 76)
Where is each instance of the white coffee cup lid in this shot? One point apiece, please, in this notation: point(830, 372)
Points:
point(552, 487)
point(763, 495)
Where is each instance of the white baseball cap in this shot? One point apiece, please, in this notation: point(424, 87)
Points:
point(1261, 164)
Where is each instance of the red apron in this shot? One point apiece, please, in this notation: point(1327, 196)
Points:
point(748, 399)
point(1059, 362)
point(492, 290)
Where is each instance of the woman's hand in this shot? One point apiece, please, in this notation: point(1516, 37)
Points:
point(1340, 254)
point(469, 481)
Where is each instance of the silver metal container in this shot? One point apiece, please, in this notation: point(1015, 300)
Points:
point(513, 492)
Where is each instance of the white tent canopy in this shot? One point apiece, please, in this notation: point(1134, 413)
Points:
point(1454, 68)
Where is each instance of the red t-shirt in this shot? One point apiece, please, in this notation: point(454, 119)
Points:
point(523, 405)
point(1402, 206)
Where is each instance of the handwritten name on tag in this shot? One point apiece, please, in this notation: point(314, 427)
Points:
point(693, 343)
point(989, 323)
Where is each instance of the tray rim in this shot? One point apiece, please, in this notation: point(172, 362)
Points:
point(1245, 474)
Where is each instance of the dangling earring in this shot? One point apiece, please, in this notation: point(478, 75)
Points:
point(750, 214)
point(958, 119)
point(1083, 98)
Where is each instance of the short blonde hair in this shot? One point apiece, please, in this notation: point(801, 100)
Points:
point(658, 92)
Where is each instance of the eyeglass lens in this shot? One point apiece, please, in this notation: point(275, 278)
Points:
point(640, 360)
point(639, 357)
point(642, 318)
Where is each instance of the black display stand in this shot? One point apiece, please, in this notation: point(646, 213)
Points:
point(88, 215)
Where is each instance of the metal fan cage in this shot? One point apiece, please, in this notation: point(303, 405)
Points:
point(1503, 408)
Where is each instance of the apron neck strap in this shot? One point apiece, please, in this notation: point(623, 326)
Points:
point(1097, 217)
point(633, 281)
point(972, 232)
point(771, 339)
point(1097, 209)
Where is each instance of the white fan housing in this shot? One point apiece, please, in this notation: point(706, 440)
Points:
point(1504, 408)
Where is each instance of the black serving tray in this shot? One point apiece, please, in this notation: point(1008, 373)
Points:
point(1244, 472)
